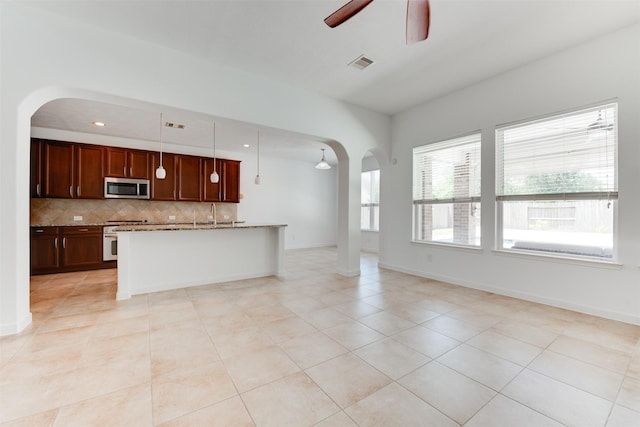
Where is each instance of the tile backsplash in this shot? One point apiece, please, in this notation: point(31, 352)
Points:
point(62, 211)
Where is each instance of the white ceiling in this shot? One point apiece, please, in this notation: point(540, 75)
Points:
point(287, 40)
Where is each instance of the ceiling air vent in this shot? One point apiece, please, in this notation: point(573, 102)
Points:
point(361, 62)
point(174, 125)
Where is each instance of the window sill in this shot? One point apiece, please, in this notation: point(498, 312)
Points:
point(549, 257)
point(454, 246)
point(369, 231)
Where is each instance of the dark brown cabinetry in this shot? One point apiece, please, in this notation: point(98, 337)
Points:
point(188, 178)
point(45, 249)
point(36, 168)
point(59, 249)
point(163, 189)
point(69, 170)
point(123, 163)
point(231, 181)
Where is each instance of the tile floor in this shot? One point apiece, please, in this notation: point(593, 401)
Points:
point(382, 349)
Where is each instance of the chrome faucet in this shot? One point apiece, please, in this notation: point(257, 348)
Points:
point(213, 213)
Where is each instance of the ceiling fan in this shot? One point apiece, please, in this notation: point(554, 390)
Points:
point(417, 17)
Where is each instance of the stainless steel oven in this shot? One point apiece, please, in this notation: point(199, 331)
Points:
point(109, 243)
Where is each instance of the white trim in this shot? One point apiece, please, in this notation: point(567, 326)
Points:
point(16, 328)
point(557, 258)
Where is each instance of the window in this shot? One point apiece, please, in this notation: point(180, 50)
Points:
point(556, 183)
point(370, 199)
point(446, 191)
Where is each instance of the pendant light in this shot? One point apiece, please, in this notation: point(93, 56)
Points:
point(214, 177)
point(257, 180)
point(322, 164)
point(161, 173)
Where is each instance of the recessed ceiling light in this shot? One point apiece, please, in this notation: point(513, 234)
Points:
point(246, 145)
point(100, 124)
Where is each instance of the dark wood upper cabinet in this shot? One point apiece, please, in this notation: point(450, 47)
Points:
point(124, 163)
point(163, 189)
point(211, 192)
point(58, 169)
point(231, 181)
point(89, 172)
point(36, 168)
point(189, 178)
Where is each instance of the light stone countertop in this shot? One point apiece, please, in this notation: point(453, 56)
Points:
point(191, 226)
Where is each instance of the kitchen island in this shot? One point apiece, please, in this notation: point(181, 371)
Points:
point(154, 258)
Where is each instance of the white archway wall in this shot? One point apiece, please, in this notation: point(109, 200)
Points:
point(45, 57)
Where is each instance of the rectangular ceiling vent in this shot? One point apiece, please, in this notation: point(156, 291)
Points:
point(174, 125)
point(361, 62)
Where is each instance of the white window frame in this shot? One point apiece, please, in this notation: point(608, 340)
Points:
point(473, 140)
point(610, 194)
point(371, 204)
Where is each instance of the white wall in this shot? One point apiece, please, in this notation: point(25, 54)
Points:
point(44, 57)
point(601, 70)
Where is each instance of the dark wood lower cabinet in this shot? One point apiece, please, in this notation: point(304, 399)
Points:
point(62, 249)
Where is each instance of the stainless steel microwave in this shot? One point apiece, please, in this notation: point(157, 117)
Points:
point(126, 188)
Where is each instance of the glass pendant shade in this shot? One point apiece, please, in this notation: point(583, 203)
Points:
point(161, 173)
point(322, 164)
point(214, 177)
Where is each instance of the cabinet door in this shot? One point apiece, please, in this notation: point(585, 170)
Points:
point(231, 181)
point(45, 251)
point(189, 170)
point(163, 189)
point(81, 246)
point(138, 164)
point(58, 175)
point(36, 168)
point(211, 192)
point(90, 172)
point(116, 162)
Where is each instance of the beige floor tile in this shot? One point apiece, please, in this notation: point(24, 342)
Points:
point(590, 378)
point(504, 412)
point(413, 312)
point(339, 419)
point(508, 348)
point(347, 379)
point(356, 309)
point(395, 406)
point(386, 323)
point(630, 394)
point(479, 318)
point(454, 328)
point(525, 332)
point(557, 400)
point(178, 393)
point(481, 366)
point(634, 367)
point(453, 394)
point(290, 327)
point(130, 406)
point(426, 341)
point(293, 400)
point(392, 358)
point(325, 318)
point(595, 354)
point(309, 350)
point(615, 335)
point(353, 335)
point(241, 342)
point(623, 417)
point(229, 413)
point(43, 419)
point(260, 367)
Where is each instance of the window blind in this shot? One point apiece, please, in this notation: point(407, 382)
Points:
point(448, 171)
point(570, 156)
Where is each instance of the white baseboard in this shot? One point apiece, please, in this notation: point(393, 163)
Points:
point(581, 308)
point(16, 328)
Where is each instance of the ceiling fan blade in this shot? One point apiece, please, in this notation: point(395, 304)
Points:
point(418, 13)
point(345, 12)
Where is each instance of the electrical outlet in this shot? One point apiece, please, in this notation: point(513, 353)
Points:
point(77, 217)
point(172, 217)
point(210, 217)
point(226, 217)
